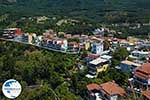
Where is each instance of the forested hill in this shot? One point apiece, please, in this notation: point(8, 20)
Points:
point(90, 8)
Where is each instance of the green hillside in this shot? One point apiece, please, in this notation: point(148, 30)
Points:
point(95, 9)
point(89, 12)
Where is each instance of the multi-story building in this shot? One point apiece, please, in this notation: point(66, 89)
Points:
point(93, 92)
point(85, 45)
point(111, 91)
point(141, 77)
point(144, 44)
point(138, 54)
point(73, 46)
point(59, 44)
point(105, 91)
point(97, 65)
point(128, 66)
point(97, 48)
point(11, 32)
point(31, 38)
point(146, 95)
point(90, 57)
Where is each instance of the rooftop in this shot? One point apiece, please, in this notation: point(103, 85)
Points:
point(141, 52)
point(145, 68)
point(130, 63)
point(12, 29)
point(111, 88)
point(106, 57)
point(93, 56)
point(93, 86)
point(143, 71)
point(98, 61)
point(146, 94)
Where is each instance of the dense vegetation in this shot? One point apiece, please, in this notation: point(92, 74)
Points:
point(49, 75)
point(90, 8)
point(34, 67)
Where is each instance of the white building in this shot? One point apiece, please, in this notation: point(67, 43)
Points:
point(60, 44)
point(97, 48)
point(138, 54)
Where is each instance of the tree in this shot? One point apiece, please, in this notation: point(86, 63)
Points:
point(63, 93)
point(34, 66)
point(43, 92)
point(106, 45)
point(116, 75)
point(119, 55)
point(61, 36)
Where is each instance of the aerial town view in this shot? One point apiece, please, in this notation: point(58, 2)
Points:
point(75, 49)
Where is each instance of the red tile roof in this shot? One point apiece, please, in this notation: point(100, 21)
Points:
point(146, 94)
point(143, 71)
point(146, 68)
point(142, 75)
point(92, 56)
point(93, 86)
point(112, 88)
